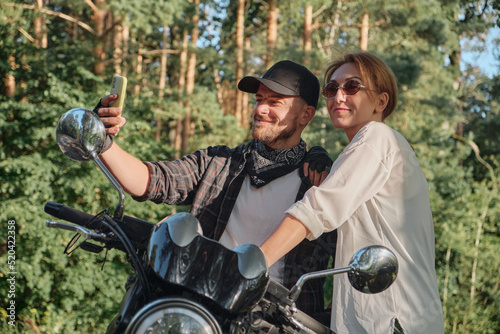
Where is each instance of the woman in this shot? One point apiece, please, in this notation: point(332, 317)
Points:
point(375, 194)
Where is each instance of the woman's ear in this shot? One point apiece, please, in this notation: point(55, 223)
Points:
point(382, 100)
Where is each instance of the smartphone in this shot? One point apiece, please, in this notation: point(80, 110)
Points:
point(119, 86)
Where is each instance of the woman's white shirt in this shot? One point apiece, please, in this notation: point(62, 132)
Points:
point(376, 194)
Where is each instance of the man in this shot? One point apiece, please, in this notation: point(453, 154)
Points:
point(240, 194)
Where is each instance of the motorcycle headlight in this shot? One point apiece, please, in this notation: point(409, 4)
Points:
point(173, 316)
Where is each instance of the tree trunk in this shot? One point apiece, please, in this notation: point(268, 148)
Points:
point(455, 59)
point(191, 70)
point(245, 112)
point(272, 31)
point(183, 60)
point(40, 28)
point(118, 48)
point(218, 86)
point(10, 80)
point(138, 71)
point(99, 19)
point(493, 193)
point(307, 33)
point(363, 36)
point(240, 35)
point(330, 41)
point(108, 38)
point(75, 32)
point(445, 283)
point(181, 88)
point(161, 84)
point(125, 38)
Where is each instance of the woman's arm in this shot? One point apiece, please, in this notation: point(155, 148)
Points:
point(288, 235)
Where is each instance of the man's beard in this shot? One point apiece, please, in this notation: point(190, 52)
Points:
point(270, 134)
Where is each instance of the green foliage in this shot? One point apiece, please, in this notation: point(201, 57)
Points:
point(145, 16)
point(212, 126)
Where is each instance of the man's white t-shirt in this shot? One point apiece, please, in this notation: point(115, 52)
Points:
point(258, 212)
point(376, 194)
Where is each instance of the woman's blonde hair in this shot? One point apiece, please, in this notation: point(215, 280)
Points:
point(374, 71)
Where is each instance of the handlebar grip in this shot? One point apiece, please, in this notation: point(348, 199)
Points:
point(311, 323)
point(63, 212)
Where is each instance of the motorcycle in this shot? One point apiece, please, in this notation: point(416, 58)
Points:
point(184, 282)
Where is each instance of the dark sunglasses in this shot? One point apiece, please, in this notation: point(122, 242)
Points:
point(349, 87)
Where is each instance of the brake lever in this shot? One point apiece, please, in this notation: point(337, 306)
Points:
point(90, 247)
point(87, 234)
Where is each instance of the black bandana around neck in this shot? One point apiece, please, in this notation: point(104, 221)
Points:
point(266, 164)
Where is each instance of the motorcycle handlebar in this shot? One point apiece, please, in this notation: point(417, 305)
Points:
point(310, 323)
point(66, 213)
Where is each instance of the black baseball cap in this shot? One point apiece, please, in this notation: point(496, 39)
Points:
point(286, 78)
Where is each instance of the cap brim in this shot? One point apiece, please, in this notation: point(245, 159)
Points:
point(251, 85)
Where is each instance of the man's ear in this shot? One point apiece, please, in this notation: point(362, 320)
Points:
point(307, 115)
point(382, 101)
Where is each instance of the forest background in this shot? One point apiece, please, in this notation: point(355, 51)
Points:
point(183, 60)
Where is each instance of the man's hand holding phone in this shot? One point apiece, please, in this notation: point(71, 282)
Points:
point(110, 107)
point(111, 116)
